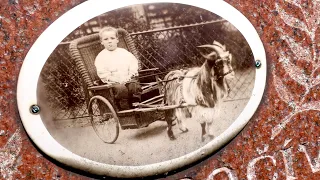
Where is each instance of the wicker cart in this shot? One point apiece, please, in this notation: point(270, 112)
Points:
point(99, 96)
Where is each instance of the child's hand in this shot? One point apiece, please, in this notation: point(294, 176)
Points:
point(111, 82)
point(96, 83)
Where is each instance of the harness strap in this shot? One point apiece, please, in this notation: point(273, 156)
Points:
point(230, 71)
point(180, 78)
point(182, 100)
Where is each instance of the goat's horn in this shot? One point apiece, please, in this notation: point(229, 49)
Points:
point(211, 47)
point(209, 56)
point(219, 49)
point(216, 46)
point(216, 43)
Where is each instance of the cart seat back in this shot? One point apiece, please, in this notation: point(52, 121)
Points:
point(85, 49)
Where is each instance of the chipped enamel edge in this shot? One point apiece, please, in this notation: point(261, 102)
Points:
point(46, 43)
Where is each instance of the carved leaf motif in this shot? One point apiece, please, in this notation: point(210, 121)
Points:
point(300, 52)
point(312, 19)
point(316, 81)
point(9, 154)
point(281, 89)
point(315, 19)
point(316, 76)
point(278, 128)
point(295, 2)
point(315, 105)
point(316, 9)
point(291, 21)
point(293, 71)
point(308, 18)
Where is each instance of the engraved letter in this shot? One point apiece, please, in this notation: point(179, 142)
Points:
point(223, 169)
point(251, 173)
point(287, 158)
point(314, 163)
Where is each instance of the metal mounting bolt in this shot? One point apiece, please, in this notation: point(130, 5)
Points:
point(258, 64)
point(35, 109)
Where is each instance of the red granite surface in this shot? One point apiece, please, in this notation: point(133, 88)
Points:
point(281, 140)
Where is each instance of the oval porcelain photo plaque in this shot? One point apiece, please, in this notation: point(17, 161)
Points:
point(132, 90)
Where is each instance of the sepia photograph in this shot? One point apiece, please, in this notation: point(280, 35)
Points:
point(145, 84)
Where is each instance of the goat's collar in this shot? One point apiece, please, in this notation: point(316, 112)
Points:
point(218, 77)
point(222, 59)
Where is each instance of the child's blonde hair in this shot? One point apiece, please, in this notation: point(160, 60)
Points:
point(108, 28)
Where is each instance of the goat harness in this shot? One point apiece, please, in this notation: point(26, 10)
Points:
point(180, 78)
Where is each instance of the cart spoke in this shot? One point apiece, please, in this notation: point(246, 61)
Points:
point(104, 119)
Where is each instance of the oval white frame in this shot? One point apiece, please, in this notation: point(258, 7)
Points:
point(58, 30)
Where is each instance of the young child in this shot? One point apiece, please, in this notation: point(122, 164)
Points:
point(117, 66)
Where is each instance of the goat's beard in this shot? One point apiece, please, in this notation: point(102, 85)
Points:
point(222, 86)
point(211, 85)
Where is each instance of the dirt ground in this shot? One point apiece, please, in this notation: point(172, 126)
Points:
point(141, 146)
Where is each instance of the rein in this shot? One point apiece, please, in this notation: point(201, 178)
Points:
point(180, 78)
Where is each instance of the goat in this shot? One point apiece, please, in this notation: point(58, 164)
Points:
point(202, 87)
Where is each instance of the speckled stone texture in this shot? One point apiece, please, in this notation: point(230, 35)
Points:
point(281, 141)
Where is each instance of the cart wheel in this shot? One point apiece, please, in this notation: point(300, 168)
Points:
point(106, 125)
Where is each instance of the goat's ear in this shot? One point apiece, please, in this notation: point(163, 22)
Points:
point(203, 55)
point(212, 56)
